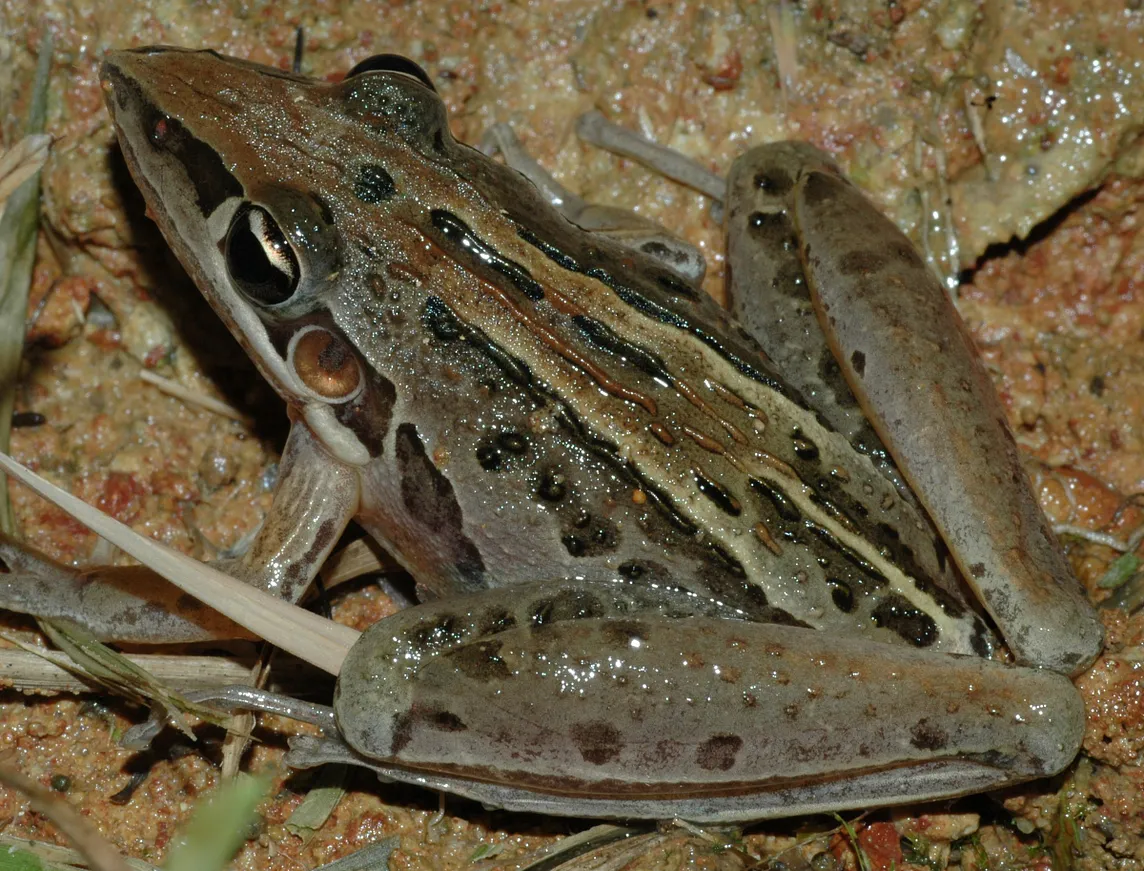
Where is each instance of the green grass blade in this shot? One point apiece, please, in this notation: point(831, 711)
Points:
point(219, 826)
point(18, 227)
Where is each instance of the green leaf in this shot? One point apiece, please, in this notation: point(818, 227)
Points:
point(20, 860)
point(375, 857)
point(219, 826)
point(1118, 573)
point(319, 803)
point(19, 225)
point(121, 675)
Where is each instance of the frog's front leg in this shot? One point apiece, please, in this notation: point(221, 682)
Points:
point(316, 497)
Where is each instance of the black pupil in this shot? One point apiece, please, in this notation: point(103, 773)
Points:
point(260, 260)
point(392, 63)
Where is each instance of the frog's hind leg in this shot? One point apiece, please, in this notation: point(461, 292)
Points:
point(621, 225)
point(110, 601)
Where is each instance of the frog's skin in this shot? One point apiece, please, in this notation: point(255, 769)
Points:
point(659, 579)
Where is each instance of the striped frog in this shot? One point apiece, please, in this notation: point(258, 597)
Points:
point(664, 572)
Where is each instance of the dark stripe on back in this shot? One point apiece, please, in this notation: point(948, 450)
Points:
point(478, 253)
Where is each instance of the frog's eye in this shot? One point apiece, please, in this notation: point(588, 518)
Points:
point(392, 63)
point(259, 258)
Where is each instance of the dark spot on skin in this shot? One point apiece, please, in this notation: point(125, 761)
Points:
point(804, 448)
point(440, 321)
point(718, 494)
point(429, 499)
point(841, 595)
point(790, 280)
point(608, 339)
point(481, 662)
point(773, 229)
point(567, 605)
point(435, 718)
point(574, 544)
point(818, 188)
point(443, 721)
point(402, 732)
point(541, 613)
point(488, 457)
point(858, 361)
point(831, 374)
point(784, 508)
point(513, 443)
point(910, 624)
point(597, 742)
point(791, 711)
point(323, 208)
point(977, 570)
point(1095, 386)
point(435, 633)
point(734, 567)
point(908, 254)
point(186, 603)
point(496, 621)
point(621, 633)
point(718, 752)
point(374, 185)
point(370, 415)
point(774, 181)
point(858, 263)
point(631, 570)
point(927, 736)
point(553, 486)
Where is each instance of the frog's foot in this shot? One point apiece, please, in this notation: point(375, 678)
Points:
point(597, 130)
point(237, 698)
point(116, 603)
point(623, 226)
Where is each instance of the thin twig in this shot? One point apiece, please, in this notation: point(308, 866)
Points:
point(191, 397)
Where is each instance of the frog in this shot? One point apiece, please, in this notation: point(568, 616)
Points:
point(659, 577)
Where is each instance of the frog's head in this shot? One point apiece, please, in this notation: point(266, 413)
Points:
point(271, 189)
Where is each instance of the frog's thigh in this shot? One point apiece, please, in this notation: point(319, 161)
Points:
point(769, 294)
point(905, 352)
point(315, 498)
point(622, 225)
point(700, 718)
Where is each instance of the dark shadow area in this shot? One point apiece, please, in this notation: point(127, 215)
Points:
point(1038, 234)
